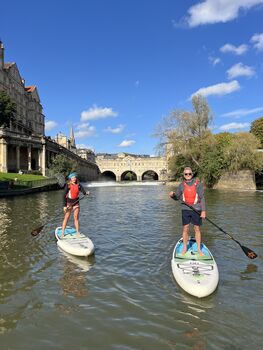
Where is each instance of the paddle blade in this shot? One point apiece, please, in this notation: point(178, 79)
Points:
point(37, 230)
point(249, 253)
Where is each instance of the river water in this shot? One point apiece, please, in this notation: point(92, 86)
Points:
point(125, 297)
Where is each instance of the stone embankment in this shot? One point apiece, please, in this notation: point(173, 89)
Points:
point(7, 191)
point(242, 181)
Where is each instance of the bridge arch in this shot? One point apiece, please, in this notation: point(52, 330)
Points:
point(150, 175)
point(128, 175)
point(108, 175)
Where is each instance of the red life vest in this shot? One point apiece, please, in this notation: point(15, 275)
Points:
point(190, 195)
point(73, 192)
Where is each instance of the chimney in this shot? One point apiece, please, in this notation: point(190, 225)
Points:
point(1, 55)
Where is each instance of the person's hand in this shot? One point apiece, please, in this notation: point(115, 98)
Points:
point(203, 214)
point(65, 209)
point(171, 194)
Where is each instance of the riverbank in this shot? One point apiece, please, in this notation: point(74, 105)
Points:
point(244, 180)
point(20, 192)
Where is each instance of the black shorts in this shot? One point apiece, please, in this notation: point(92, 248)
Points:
point(191, 217)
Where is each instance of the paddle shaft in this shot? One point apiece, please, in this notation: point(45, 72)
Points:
point(219, 228)
point(37, 230)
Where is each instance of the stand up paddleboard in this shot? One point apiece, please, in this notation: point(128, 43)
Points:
point(74, 244)
point(196, 274)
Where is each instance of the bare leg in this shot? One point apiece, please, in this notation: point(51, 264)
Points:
point(185, 237)
point(65, 221)
point(198, 239)
point(76, 219)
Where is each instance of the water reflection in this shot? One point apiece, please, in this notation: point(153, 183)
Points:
point(74, 278)
point(135, 229)
point(195, 338)
point(251, 268)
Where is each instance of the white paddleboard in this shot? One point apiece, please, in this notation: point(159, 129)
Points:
point(196, 274)
point(74, 244)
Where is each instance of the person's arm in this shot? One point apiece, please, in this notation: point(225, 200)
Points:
point(200, 192)
point(81, 188)
point(177, 194)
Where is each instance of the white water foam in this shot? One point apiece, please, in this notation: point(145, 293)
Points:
point(128, 183)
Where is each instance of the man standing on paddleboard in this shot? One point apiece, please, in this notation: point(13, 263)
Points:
point(71, 201)
point(191, 192)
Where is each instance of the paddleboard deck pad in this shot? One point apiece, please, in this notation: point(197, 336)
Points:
point(196, 274)
point(73, 243)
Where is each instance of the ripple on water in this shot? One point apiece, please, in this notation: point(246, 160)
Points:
point(125, 296)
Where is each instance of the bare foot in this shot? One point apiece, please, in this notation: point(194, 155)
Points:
point(200, 253)
point(184, 251)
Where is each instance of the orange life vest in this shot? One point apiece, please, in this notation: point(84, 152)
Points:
point(190, 195)
point(73, 192)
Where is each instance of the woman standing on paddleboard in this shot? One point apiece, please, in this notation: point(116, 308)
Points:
point(71, 203)
point(191, 192)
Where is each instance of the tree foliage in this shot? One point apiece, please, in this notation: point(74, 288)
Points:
point(192, 144)
point(201, 117)
point(257, 129)
point(62, 165)
point(7, 109)
point(241, 153)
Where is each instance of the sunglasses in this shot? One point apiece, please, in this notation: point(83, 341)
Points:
point(188, 174)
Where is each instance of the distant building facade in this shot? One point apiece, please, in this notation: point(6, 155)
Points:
point(87, 154)
point(23, 144)
point(141, 167)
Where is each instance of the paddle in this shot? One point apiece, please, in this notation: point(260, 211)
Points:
point(37, 230)
point(249, 253)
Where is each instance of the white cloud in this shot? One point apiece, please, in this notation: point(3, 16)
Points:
point(214, 60)
point(126, 143)
point(216, 11)
point(242, 112)
point(257, 39)
point(237, 50)
point(97, 113)
point(234, 126)
point(218, 89)
point(116, 130)
point(239, 70)
point(49, 125)
point(85, 130)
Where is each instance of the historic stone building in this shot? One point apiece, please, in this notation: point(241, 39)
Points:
point(23, 144)
point(139, 167)
point(87, 154)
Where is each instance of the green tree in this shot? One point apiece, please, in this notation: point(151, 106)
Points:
point(189, 141)
point(182, 131)
point(257, 129)
point(62, 165)
point(201, 117)
point(180, 127)
point(241, 153)
point(7, 109)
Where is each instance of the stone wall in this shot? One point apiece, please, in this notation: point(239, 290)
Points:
point(242, 180)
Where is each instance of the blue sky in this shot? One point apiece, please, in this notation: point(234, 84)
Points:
point(114, 68)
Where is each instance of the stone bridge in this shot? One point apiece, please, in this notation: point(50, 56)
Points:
point(125, 166)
